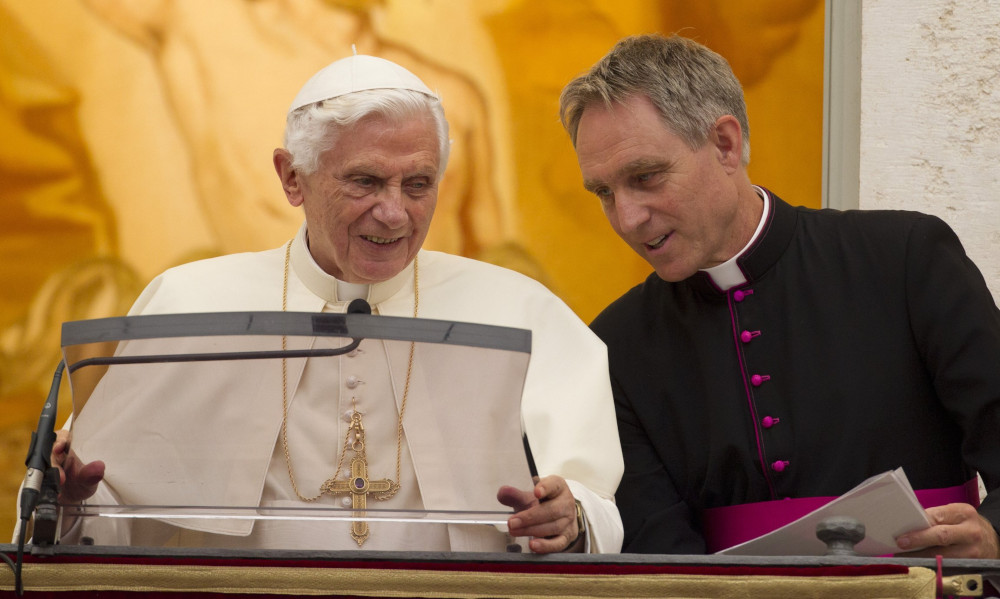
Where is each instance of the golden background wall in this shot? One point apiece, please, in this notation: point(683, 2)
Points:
point(137, 134)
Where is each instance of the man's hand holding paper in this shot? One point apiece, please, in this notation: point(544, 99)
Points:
point(958, 531)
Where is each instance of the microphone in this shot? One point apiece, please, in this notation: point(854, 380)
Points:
point(40, 451)
point(359, 306)
point(41, 482)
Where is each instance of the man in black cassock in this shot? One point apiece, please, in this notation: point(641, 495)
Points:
point(779, 355)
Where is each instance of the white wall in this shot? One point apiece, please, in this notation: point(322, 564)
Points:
point(930, 116)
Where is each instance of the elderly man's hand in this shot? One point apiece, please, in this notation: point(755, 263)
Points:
point(77, 481)
point(547, 513)
point(958, 531)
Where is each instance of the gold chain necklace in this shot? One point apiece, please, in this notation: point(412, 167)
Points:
point(358, 485)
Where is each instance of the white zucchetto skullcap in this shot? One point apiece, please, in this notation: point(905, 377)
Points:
point(354, 74)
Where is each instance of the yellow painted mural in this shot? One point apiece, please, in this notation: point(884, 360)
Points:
point(137, 134)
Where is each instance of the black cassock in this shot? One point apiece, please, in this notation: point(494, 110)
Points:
point(863, 341)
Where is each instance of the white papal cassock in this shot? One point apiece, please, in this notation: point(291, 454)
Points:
point(566, 406)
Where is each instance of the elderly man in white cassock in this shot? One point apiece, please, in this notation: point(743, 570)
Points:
point(366, 145)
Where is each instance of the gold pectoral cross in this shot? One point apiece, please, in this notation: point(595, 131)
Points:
point(358, 484)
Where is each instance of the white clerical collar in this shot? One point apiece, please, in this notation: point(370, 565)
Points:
point(729, 274)
point(334, 290)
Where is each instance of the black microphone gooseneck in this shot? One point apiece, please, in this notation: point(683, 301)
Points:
point(39, 458)
point(40, 472)
point(358, 306)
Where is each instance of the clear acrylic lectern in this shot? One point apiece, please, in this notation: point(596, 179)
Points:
point(185, 410)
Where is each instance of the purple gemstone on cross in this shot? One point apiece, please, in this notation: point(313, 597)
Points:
point(359, 483)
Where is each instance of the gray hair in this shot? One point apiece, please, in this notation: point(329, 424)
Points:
point(313, 129)
point(689, 84)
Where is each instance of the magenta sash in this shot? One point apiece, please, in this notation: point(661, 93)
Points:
point(734, 524)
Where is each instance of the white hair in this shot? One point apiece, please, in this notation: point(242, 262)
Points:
point(312, 129)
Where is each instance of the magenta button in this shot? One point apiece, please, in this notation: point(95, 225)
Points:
point(746, 336)
point(779, 466)
point(759, 379)
point(768, 422)
point(741, 294)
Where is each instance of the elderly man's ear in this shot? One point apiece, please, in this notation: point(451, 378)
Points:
point(290, 181)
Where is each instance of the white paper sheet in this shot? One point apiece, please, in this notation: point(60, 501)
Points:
point(885, 504)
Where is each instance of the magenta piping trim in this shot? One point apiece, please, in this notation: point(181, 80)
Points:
point(746, 387)
point(731, 525)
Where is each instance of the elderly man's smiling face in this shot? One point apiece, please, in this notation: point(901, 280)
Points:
point(369, 204)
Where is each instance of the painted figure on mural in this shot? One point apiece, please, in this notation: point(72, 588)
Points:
point(58, 248)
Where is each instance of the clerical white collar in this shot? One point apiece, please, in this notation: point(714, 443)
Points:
point(334, 290)
point(729, 274)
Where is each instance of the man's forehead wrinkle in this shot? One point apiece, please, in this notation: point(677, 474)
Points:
point(643, 163)
point(384, 167)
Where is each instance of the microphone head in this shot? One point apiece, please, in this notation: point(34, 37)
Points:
point(359, 306)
